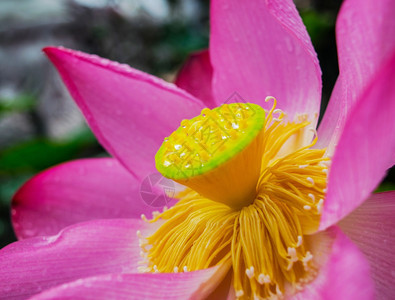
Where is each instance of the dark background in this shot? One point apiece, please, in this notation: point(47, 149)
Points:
point(39, 124)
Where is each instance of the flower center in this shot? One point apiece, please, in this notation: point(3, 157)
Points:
point(208, 152)
point(255, 190)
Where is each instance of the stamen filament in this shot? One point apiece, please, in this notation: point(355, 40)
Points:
point(252, 209)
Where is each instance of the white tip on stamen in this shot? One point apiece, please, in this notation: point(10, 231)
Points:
point(262, 279)
point(292, 254)
point(268, 98)
point(138, 233)
point(155, 214)
point(309, 179)
point(239, 293)
point(143, 269)
point(175, 269)
point(303, 166)
point(156, 269)
point(250, 272)
point(325, 171)
point(307, 207)
point(279, 293)
point(293, 257)
point(311, 196)
point(307, 258)
point(298, 287)
point(325, 190)
point(319, 205)
point(277, 111)
point(300, 241)
point(185, 269)
point(143, 217)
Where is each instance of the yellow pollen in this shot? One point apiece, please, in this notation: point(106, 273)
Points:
point(249, 201)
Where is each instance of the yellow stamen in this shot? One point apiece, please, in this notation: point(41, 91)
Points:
point(256, 215)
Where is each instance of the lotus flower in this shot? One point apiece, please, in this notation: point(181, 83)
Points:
point(79, 224)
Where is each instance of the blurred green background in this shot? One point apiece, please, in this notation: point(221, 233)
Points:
point(39, 124)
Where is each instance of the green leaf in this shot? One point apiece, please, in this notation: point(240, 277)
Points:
point(42, 153)
point(385, 186)
point(317, 24)
point(9, 185)
point(23, 102)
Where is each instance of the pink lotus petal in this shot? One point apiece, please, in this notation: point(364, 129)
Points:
point(190, 285)
point(344, 274)
point(261, 48)
point(86, 249)
point(371, 227)
point(365, 149)
point(73, 192)
point(129, 111)
point(195, 77)
point(365, 37)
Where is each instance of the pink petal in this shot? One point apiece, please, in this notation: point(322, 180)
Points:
point(190, 285)
point(371, 227)
point(366, 39)
point(344, 273)
point(73, 192)
point(129, 111)
point(261, 48)
point(86, 249)
point(195, 77)
point(365, 149)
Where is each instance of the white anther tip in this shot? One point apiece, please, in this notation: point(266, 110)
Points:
point(311, 196)
point(185, 269)
point(239, 293)
point(279, 293)
point(307, 207)
point(268, 98)
point(300, 241)
point(175, 269)
point(250, 272)
point(262, 279)
point(308, 257)
point(319, 205)
point(309, 179)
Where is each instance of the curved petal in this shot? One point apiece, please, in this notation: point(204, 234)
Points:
point(195, 77)
point(129, 111)
point(365, 150)
point(261, 48)
point(73, 192)
point(371, 227)
point(86, 249)
point(344, 272)
point(365, 34)
point(190, 285)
